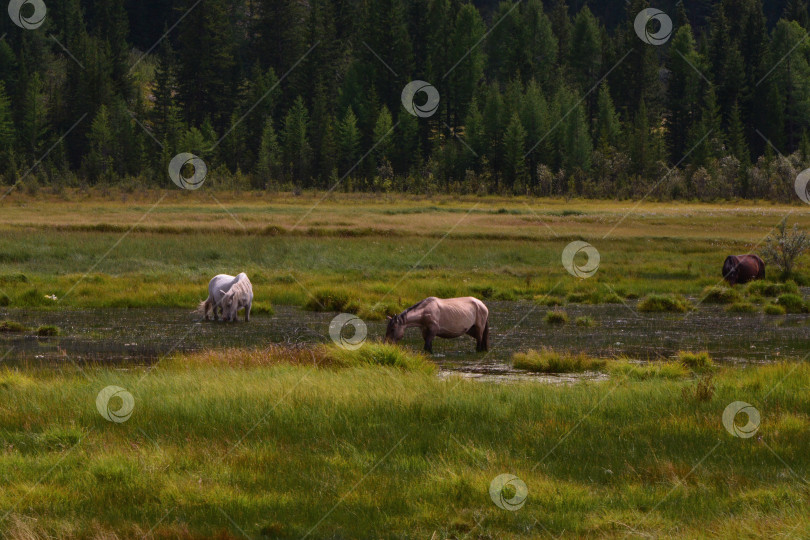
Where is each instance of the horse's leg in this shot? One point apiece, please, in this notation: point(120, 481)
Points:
point(475, 332)
point(428, 335)
point(206, 306)
point(247, 311)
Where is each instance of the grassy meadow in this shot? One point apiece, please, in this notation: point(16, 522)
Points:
point(304, 443)
point(313, 441)
point(366, 254)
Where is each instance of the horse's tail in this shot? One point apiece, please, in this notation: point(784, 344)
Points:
point(202, 307)
point(485, 340)
point(761, 273)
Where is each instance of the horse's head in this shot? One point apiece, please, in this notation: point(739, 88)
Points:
point(731, 269)
point(395, 329)
point(229, 305)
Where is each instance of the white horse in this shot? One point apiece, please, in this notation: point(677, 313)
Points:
point(229, 294)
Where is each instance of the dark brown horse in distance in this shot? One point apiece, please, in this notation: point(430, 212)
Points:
point(445, 318)
point(743, 268)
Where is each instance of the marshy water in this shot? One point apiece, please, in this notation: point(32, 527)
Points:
point(123, 337)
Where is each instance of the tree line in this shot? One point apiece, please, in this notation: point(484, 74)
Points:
point(534, 97)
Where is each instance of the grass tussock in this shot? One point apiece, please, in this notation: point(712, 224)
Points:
point(774, 309)
point(549, 361)
point(696, 361)
point(320, 356)
point(645, 371)
point(742, 307)
point(793, 303)
point(12, 326)
point(663, 303)
point(720, 294)
point(556, 316)
point(585, 321)
point(377, 354)
point(771, 289)
point(47, 330)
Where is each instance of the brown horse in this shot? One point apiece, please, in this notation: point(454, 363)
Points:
point(743, 268)
point(445, 318)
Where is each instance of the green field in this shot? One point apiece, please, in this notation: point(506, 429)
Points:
point(305, 440)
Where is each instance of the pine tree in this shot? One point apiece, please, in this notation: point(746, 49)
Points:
point(297, 151)
point(383, 136)
point(467, 33)
point(514, 140)
point(268, 166)
point(348, 141)
point(608, 126)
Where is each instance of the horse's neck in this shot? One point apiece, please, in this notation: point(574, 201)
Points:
point(412, 318)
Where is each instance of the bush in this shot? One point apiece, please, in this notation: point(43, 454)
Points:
point(47, 330)
point(742, 307)
point(4, 300)
point(774, 309)
point(556, 316)
point(793, 303)
point(584, 321)
point(696, 361)
point(664, 303)
point(719, 294)
point(548, 361)
point(12, 326)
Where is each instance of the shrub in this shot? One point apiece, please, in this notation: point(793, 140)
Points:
point(4, 300)
point(584, 321)
point(548, 361)
point(774, 309)
point(664, 303)
point(742, 307)
point(47, 330)
point(719, 294)
point(556, 316)
point(793, 303)
point(12, 326)
point(696, 361)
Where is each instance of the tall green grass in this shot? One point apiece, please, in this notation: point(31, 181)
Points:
point(284, 449)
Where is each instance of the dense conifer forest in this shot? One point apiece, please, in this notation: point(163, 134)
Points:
point(546, 98)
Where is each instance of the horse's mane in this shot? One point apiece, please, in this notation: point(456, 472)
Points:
point(241, 288)
point(408, 310)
